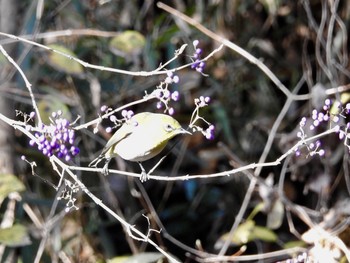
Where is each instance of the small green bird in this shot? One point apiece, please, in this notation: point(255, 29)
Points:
point(140, 138)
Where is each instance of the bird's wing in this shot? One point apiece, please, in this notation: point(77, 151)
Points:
point(119, 135)
point(124, 131)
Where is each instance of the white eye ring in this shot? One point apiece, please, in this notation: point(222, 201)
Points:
point(168, 127)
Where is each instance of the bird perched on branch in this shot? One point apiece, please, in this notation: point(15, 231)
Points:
point(140, 138)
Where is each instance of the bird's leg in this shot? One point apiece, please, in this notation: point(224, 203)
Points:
point(95, 162)
point(105, 171)
point(144, 175)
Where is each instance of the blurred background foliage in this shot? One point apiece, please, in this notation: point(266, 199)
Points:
point(137, 36)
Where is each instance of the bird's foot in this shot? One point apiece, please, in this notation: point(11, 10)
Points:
point(144, 174)
point(143, 177)
point(105, 170)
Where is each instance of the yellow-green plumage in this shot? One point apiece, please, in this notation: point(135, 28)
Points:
point(141, 138)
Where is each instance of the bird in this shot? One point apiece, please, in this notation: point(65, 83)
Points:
point(140, 138)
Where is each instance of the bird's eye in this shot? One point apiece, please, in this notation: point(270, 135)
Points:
point(168, 127)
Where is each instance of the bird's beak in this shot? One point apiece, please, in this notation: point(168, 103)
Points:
point(182, 130)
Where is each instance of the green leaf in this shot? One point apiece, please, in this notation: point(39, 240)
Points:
point(263, 233)
point(275, 216)
point(258, 208)
point(63, 63)
point(127, 43)
point(51, 104)
point(9, 183)
point(248, 231)
point(14, 236)
point(119, 259)
point(242, 233)
point(292, 244)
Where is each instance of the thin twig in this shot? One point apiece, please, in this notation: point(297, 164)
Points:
point(235, 48)
point(157, 71)
point(28, 85)
point(64, 33)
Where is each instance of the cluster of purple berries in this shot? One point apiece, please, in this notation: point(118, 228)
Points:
point(209, 132)
point(197, 63)
point(172, 78)
point(165, 96)
point(325, 116)
point(319, 117)
point(105, 109)
point(127, 114)
point(202, 101)
point(56, 138)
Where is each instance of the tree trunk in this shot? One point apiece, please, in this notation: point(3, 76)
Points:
point(8, 24)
